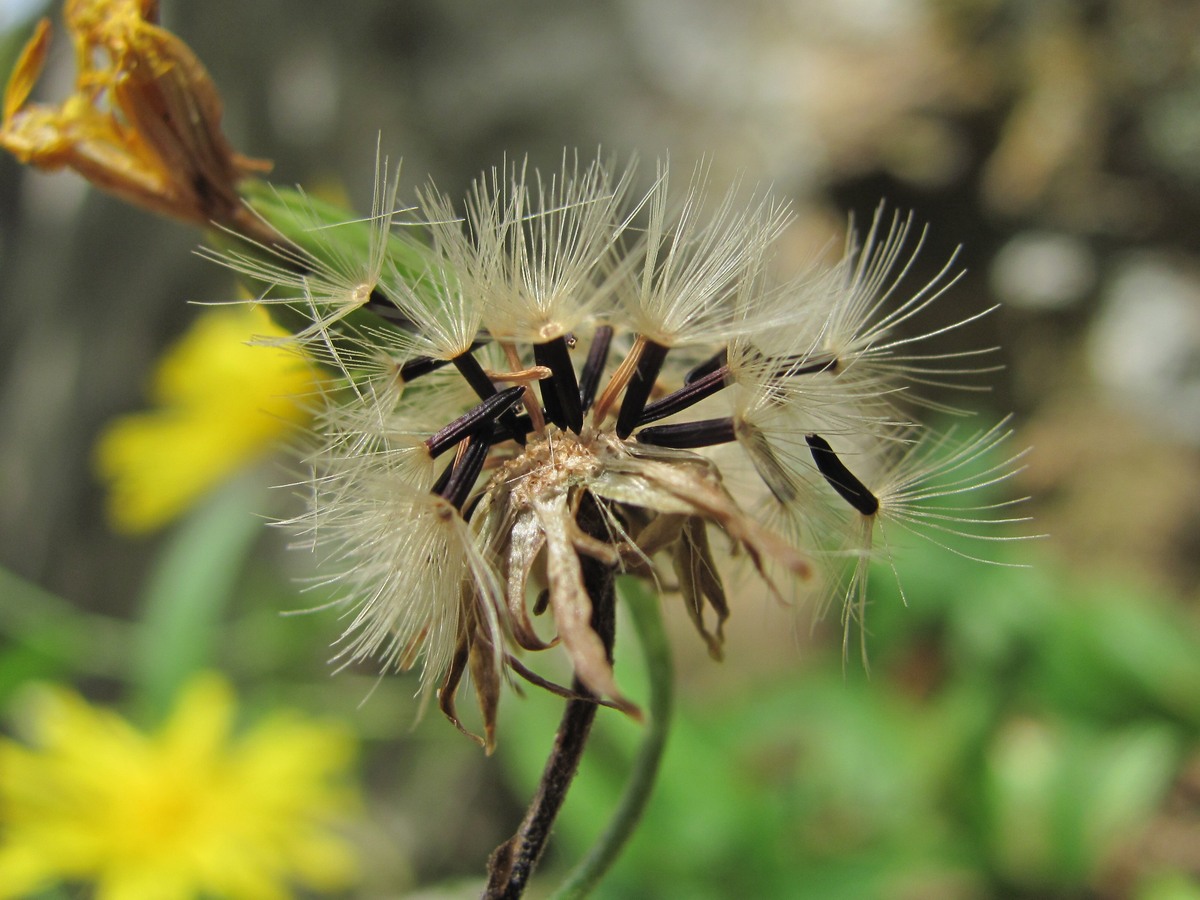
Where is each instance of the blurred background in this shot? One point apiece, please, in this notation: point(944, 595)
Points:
point(1024, 732)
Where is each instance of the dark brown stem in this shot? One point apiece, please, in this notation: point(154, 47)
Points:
point(513, 862)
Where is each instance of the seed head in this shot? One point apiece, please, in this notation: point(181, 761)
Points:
point(551, 389)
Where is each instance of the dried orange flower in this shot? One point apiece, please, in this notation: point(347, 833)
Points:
point(143, 123)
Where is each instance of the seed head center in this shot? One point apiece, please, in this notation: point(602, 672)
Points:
point(550, 463)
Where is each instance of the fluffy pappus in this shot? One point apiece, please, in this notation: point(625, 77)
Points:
point(524, 416)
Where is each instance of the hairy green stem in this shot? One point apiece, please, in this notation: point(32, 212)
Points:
point(647, 619)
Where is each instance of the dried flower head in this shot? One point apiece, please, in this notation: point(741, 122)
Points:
point(488, 458)
point(144, 122)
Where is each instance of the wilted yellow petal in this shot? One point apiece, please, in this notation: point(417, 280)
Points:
point(144, 121)
point(28, 68)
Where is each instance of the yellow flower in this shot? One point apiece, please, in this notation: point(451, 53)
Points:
point(221, 401)
point(190, 811)
point(144, 122)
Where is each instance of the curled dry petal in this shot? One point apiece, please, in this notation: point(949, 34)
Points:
point(695, 490)
point(527, 541)
point(699, 581)
point(572, 606)
point(476, 653)
point(448, 691)
point(485, 673)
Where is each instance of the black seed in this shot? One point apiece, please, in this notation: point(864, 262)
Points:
point(418, 366)
point(458, 486)
point(593, 366)
point(502, 432)
point(840, 478)
point(473, 372)
point(688, 395)
point(689, 435)
point(560, 392)
point(423, 365)
point(640, 385)
point(714, 362)
point(439, 486)
point(470, 369)
point(487, 411)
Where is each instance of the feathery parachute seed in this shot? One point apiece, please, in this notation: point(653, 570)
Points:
point(322, 268)
point(546, 281)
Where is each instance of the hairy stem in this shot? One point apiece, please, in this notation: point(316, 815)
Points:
point(513, 862)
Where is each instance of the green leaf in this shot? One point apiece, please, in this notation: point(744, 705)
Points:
point(189, 591)
point(52, 636)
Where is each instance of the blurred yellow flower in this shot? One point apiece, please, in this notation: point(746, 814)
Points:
point(190, 811)
point(144, 121)
point(222, 402)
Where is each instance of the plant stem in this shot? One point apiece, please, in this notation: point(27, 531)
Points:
point(647, 619)
point(512, 863)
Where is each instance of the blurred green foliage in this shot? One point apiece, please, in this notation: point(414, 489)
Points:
point(1021, 734)
point(1018, 736)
